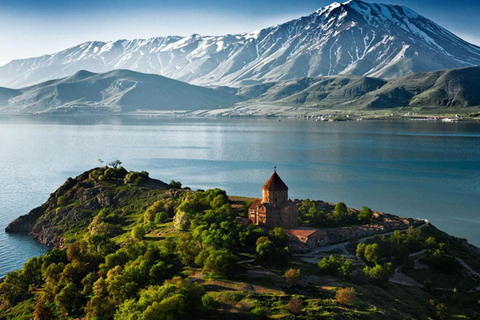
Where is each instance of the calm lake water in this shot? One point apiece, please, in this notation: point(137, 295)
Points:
point(414, 169)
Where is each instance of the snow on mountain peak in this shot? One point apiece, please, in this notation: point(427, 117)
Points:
point(352, 37)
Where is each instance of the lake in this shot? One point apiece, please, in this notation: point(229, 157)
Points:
point(428, 170)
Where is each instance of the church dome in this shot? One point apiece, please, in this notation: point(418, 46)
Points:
point(275, 183)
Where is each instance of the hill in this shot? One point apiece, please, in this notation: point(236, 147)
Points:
point(351, 38)
point(128, 92)
point(131, 247)
point(115, 91)
point(456, 88)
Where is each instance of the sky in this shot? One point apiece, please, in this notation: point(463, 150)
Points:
point(30, 28)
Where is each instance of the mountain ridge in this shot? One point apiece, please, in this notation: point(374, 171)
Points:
point(130, 92)
point(388, 41)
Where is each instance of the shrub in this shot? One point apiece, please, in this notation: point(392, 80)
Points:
point(278, 236)
point(136, 177)
point(138, 233)
point(292, 276)
point(259, 313)
point(220, 262)
point(365, 215)
point(175, 184)
point(209, 303)
point(380, 274)
point(181, 221)
point(95, 174)
point(109, 174)
point(329, 265)
point(346, 296)
point(61, 201)
point(340, 211)
point(161, 217)
point(295, 305)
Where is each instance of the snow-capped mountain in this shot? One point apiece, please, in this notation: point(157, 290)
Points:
point(353, 38)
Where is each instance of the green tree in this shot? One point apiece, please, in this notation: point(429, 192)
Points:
point(380, 273)
point(138, 232)
point(340, 212)
point(68, 300)
point(278, 236)
point(175, 184)
point(372, 253)
point(188, 249)
point(329, 265)
point(265, 253)
point(365, 215)
point(220, 262)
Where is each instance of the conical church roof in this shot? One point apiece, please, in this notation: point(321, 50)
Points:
point(275, 183)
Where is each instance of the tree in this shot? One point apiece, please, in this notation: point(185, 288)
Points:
point(68, 300)
point(138, 232)
point(346, 296)
point(329, 265)
point(188, 249)
point(175, 184)
point(365, 215)
point(32, 271)
point(265, 253)
point(181, 221)
point(372, 253)
point(43, 310)
point(278, 236)
point(380, 274)
point(340, 211)
point(114, 164)
point(431, 242)
point(292, 276)
point(220, 262)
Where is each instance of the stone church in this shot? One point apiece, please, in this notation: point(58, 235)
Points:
point(274, 209)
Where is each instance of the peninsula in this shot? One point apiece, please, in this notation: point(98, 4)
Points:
point(127, 246)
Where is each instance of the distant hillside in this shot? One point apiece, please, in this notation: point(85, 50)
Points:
point(123, 91)
point(114, 91)
point(455, 88)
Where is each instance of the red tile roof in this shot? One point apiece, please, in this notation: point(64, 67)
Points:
point(304, 231)
point(275, 183)
point(256, 203)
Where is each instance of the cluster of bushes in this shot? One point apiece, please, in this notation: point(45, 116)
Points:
point(308, 213)
point(396, 247)
point(272, 250)
point(159, 212)
point(438, 257)
point(134, 177)
point(338, 267)
point(98, 278)
point(101, 174)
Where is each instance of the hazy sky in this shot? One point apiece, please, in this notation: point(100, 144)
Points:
point(34, 27)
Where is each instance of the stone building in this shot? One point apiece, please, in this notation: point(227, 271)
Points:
point(310, 237)
point(274, 209)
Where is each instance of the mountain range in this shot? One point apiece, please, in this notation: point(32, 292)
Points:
point(125, 91)
point(354, 38)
